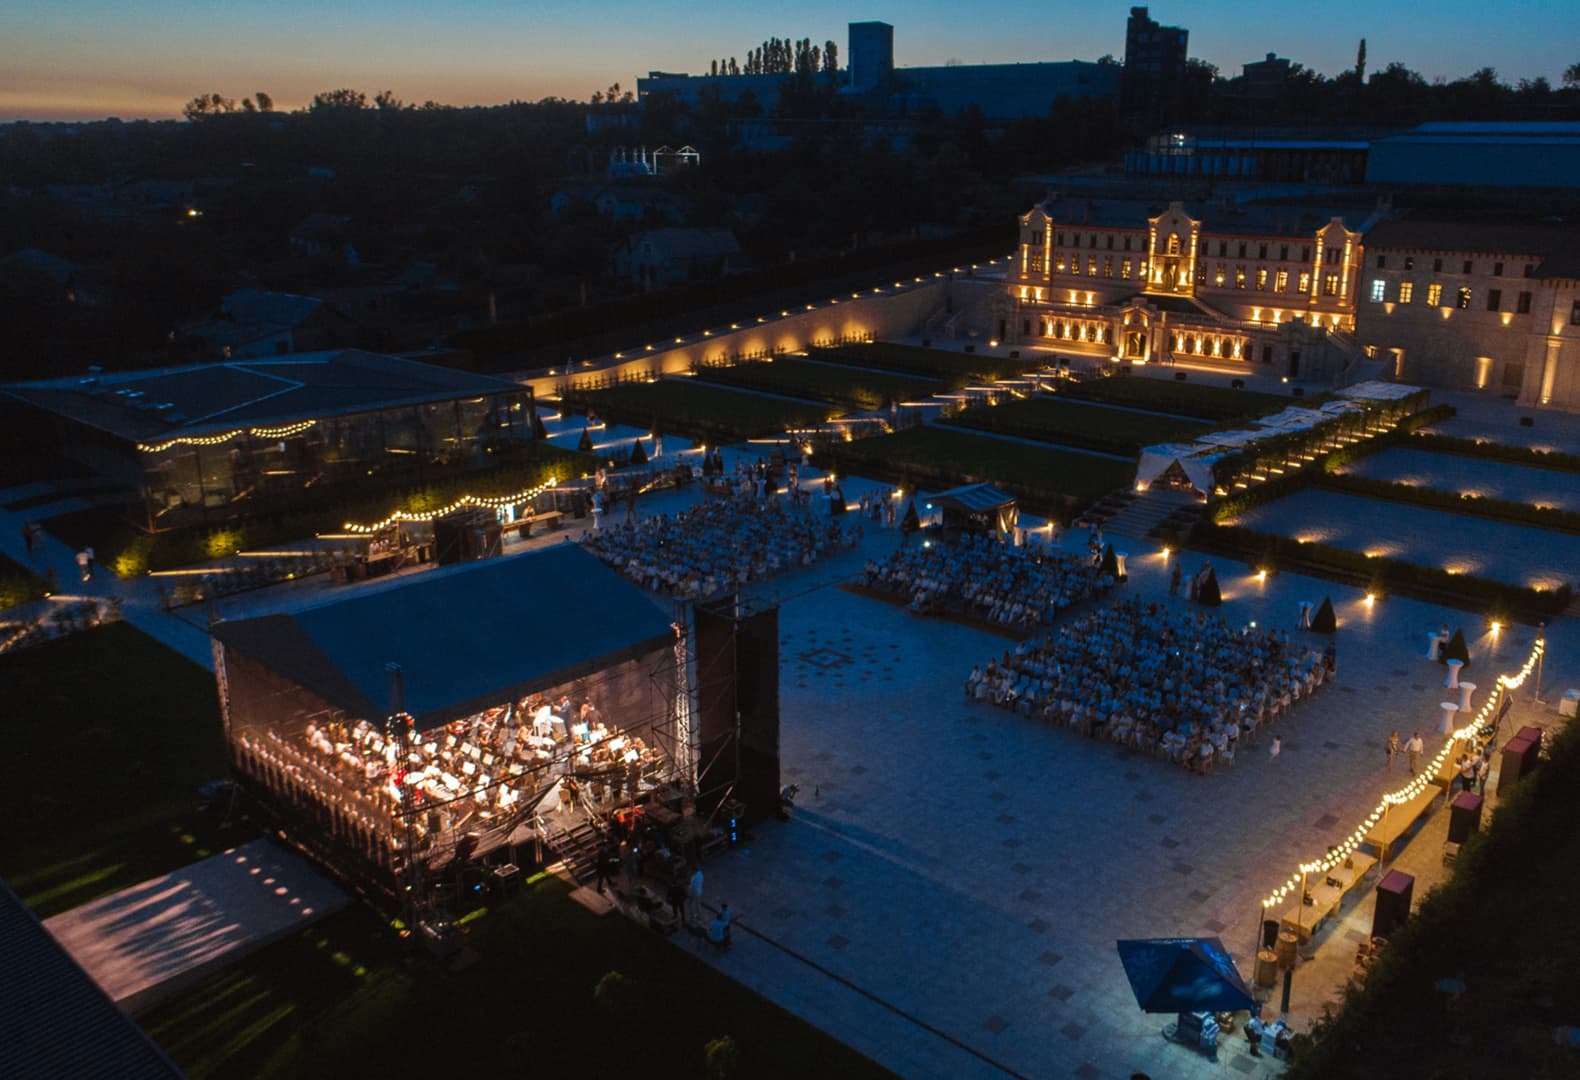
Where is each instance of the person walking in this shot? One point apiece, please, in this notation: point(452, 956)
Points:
point(1414, 749)
point(694, 898)
point(1278, 748)
point(1467, 773)
point(1392, 747)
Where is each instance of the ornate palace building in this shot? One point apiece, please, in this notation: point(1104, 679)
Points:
point(1301, 292)
point(1229, 287)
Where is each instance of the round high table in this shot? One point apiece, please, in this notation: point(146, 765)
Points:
point(1452, 682)
point(1119, 563)
point(1465, 690)
point(1449, 709)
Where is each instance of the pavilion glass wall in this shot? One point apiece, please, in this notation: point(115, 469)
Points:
point(187, 483)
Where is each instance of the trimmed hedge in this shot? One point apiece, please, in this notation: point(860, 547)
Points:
point(705, 413)
point(1505, 510)
point(1181, 399)
point(853, 388)
point(1396, 575)
point(957, 368)
point(1515, 455)
point(18, 584)
point(1090, 426)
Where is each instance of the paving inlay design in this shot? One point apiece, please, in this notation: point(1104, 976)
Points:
point(825, 659)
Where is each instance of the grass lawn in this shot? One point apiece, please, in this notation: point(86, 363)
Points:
point(18, 584)
point(939, 456)
point(342, 999)
point(856, 388)
point(686, 404)
point(958, 368)
point(1076, 423)
point(108, 736)
point(1180, 398)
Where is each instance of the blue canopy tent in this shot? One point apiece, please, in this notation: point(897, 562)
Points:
point(1184, 975)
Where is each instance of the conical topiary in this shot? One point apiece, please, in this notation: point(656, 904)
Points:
point(1208, 595)
point(586, 444)
point(1323, 621)
point(538, 430)
point(638, 453)
point(1110, 563)
point(1456, 649)
point(912, 521)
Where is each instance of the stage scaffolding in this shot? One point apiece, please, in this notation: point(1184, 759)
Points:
point(406, 811)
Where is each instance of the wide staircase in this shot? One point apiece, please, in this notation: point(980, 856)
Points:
point(577, 848)
point(1148, 510)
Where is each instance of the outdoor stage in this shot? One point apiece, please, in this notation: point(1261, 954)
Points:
point(147, 942)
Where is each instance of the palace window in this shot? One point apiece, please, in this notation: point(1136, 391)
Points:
point(1110, 241)
point(1075, 239)
point(1261, 279)
point(1242, 249)
point(1305, 284)
point(1261, 251)
point(1434, 295)
point(1283, 252)
point(1330, 285)
point(1281, 281)
point(1494, 299)
point(1406, 291)
point(1522, 304)
point(1124, 268)
point(1467, 266)
point(1409, 262)
point(1239, 277)
point(1497, 269)
point(1333, 254)
point(1382, 262)
point(1462, 300)
point(1127, 244)
point(1174, 244)
point(1075, 265)
point(1091, 266)
point(1222, 275)
point(1305, 254)
point(1108, 265)
point(1036, 260)
point(1437, 266)
point(1223, 248)
point(1058, 238)
point(1574, 314)
point(1379, 290)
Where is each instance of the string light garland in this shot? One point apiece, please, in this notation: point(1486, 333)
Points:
point(1342, 851)
point(284, 432)
point(492, 502)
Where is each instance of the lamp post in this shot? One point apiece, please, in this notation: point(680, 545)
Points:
point(1541, 638)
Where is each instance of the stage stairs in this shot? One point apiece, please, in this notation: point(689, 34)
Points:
point(1148, 510)
point(577, 848)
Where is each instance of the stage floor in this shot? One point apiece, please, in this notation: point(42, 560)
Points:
point(147, 942)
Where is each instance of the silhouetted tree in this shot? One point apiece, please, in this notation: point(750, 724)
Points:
point(342, 98)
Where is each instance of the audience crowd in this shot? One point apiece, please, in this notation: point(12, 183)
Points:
point(987, 579)
point(1179, 684)
point(719, 544)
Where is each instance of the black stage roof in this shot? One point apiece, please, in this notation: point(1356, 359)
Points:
point(54, 1020)
point(170, 402)
point(466, 637)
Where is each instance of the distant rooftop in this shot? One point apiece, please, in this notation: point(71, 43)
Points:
point(1292, 220)
point(205, 398)
point(1554, 245)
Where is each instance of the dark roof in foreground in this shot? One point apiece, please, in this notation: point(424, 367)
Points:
point(466, 637)
point(169, 402)
point(54, 1020)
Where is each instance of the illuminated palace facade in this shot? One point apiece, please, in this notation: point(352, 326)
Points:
point(1265, 289)
point(1302, 293)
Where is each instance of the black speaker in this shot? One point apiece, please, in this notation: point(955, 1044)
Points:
point(1464, 817)
point(1393, 903)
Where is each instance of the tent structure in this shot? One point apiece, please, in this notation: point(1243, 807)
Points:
point(1179, 975)
point(977, 508)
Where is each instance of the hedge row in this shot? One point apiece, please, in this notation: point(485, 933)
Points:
point(18, 584)
point(1381, 574)
point(1514, 455)
point(1505, 510)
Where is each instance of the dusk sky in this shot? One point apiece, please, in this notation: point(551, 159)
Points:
point(98, 58)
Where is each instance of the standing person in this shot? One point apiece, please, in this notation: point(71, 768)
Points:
point(1414, 749)
point(83, 564)
point(1174, 579)
point(1467, 772)
point(676, 895)
point(1392, 747)
point(1278, 748)
point(694, 898)
point(607, 861)
point(1483, 766)
point(92, 559)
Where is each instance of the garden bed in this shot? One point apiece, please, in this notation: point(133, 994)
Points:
point(850, 387)
point(1060, 480)
point(1072, 423)
point(18, 584)
point(955, 368)
point(707, 413)
point(1212, 403)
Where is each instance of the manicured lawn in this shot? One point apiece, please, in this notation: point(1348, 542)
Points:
point(852, 387)
point(108, 735)
point(687, 404)
point(957, 368)
point(342, 1000)
point(1076, 423)
point(936, 456)
point(18, 584)
point(1179, 398)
